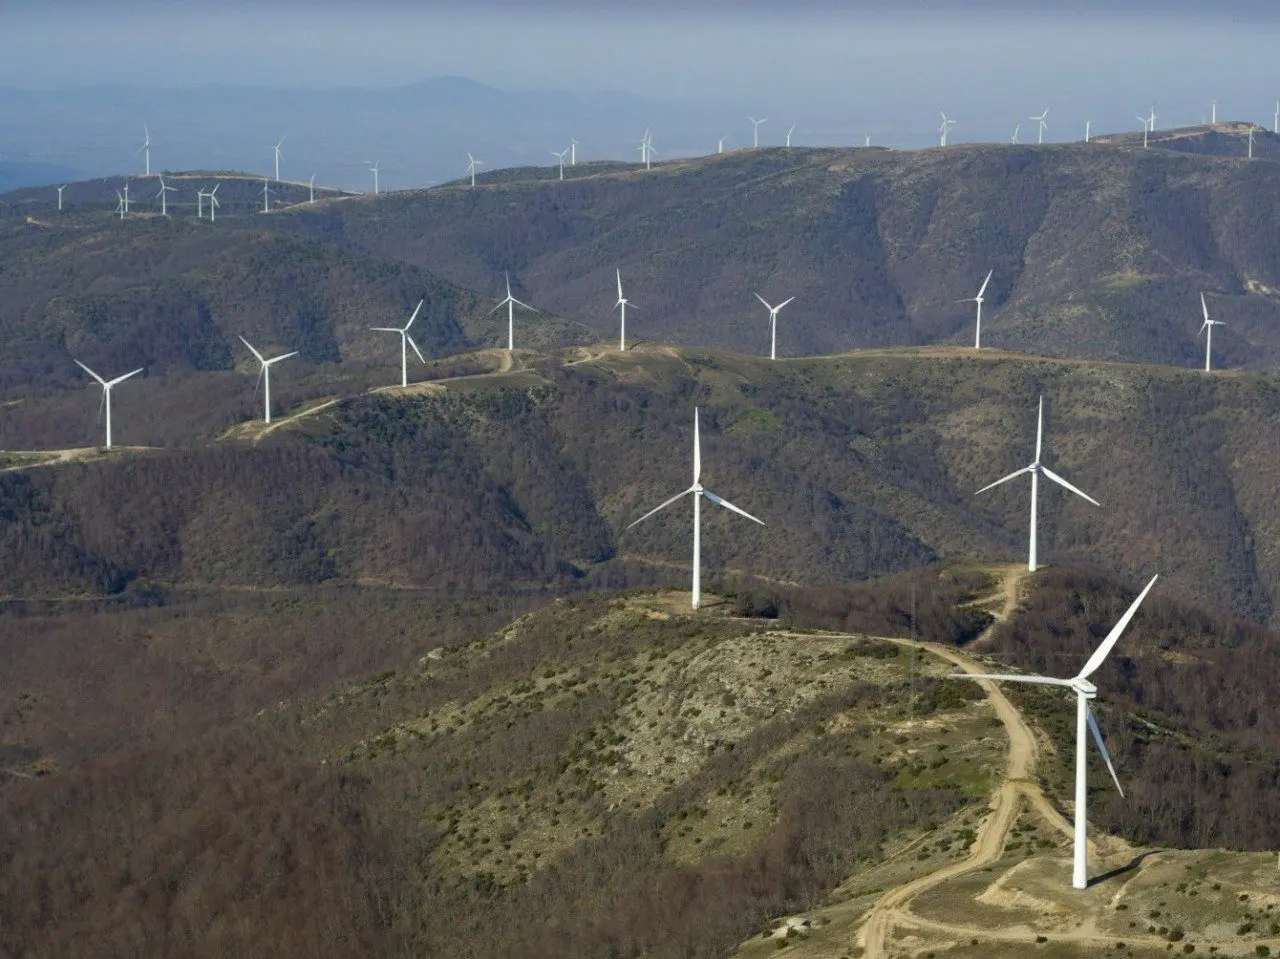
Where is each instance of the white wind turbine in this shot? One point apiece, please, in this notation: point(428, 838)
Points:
point(1085, 691)
point(60, 189)
point(405, 341)
point(1088, 126)
point(212, 196)
point(375, 171)
point(164, 210)
point(120, 208)
point(1207, 328)
point(945, 129)
point(471, 168)
point(561, 155)
point(1043, 124)
point(1016, 129)
point(200, 197)
point(720, 144)
point(698, 492)
point(145, 149)
point(622, 304)
point(278, 154)
point(1276, 119)
point(773, 323)
point(1148, 126)
point(264, 374)
point(311, 185)
point(1213, 111)
point(266, 195)
point(126, 196)
point(573, 152)
point(646, 148)
point(755, 129)
point(106, 391)
point(1036, 470)
point(1252, 127)
point(789, 132)
point(977, 337)
point(510, 303)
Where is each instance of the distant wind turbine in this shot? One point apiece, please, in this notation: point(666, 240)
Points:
point(510, 303)
point(213, 202)
point(698, 492)
point(1017, 127)
point(200, 197)
point(789, 132)
point(1088, 124)
point(1252, 128)
point(164, 210)
point(471, 168)
point(1085, 691)
point(278, 154)
point(405, 342)
point(1043, 124)
point(1276, 119)
point(573, 152)
point(867, 140)
point(720, 144)
point(126, 196)
point(1036, 470)
point(945, 129)
point(622, 304)
point(773, 323)
point(755, 129)
point(120, 204)
point(977, 337)
point(375, 171)
point(646, 148)
point(106, 391)
point(561, 156)
point(1213, 111)
point(1207, 328)
point(60, 189)
point(266, 195)
point(264, 375)
point(311, 185)
point(145, 149)
point(1148, 126)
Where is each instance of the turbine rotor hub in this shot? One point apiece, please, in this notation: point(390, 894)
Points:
point(1085, 688)
point(697, 488)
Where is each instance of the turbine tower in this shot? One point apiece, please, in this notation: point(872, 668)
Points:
point(311, 185)
point(60, 189)
point(1036, 471)
point(561, 156)
point(145, 149)
point(1088, 127)
point(573, 152)
point(622, 304)
point(106, 391)
point(510, 303)
point(1213, 111)
point(266, 195)
point(977, 336)
point(405, 341)
point(945, 129)
point(213, 202)
point(375, 171)
point(755, 129)
point(720, 143)
point(264, 375)
point(1275, 128)
point(789, 132)
point(120, 204)
point(1085, 723)
point(164, 210)
point(698, 492)
point(471, 168)
point(773, 324)
point(1043, 124)
point(278, 154)
point(1207, 327)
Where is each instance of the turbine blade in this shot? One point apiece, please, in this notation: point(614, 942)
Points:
point(765, 302)
point(1106, 757)
point(1042, 680)
point(1204, 306)
point(1025, 469)
point(1203, 326)
point(121, 379)
point(415, 348)
point(91, 373)
point(522, 303)
point(662, 507)
point(251, 349)
point(619, 285)
point(496, 308)
point(785, 302)
point(1101, 652)
point(415, 315)
point(258, 382)
point(1039, 429)
point(727, 505)
point(386, 329)
point(984, 284)
point(697, 449)
point(279, 358)
point(1063, 483)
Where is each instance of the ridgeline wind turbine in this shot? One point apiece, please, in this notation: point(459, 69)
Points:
point(1036, 470)
point(1207, 327)
point(405, 341)
point(1043, 124)
point(561, 156)
point(311, 186)
point(278, 154)
point(789, 132)
point(120, 204)
point(212, 196)
point(266, 195)
point(126, 196)
point(720, 144)
point(1085, 691)
point(1275, 120)
point(646, 148)
point(573, 152)
point(1088, 128)
point(977, 336)
point(945, 129)
point(1252, 128)
point(471, 168)
point(1017, 128)
point(1213, 111)
point(375, 171)
point(60, 189)
point(164, 210)
point(264, 376)
point(622, 304)
point(698, 492)
point(145, 149)
point(773, 323)
point(1148, 126)
point(106, 391)
point(755, 129)
point(510, 303)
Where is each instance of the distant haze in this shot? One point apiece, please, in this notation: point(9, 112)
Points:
point(690, 71)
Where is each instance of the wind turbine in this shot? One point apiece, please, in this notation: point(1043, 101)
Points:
point(720, 144)
point(773, 323)
point(977, 337)
point(510, 303)
point(1088, 125)
point(120, 204)
point(405, 338)
point(106, 391)
point(266, 195)
point(561, 155)
point(1085, 691)
point(1016, 129)
point(1207, 327)
point(1043, 124)
point(646, 148)
point(278, 155)
point(471, 168)
point(1148, 126)
point(789, 132)
point(164, 211)
point(60, 189)
point(1036, 470)
point(200, 195)
point(145, 149)
point(755, 129)
point(866, 141)
point(264, 374)
point(573, 152)
point(311, 185)
point(375, 171)
point(698, 492)
point(943, 130)
point(1213, 111)
point(622, 304)
point(1276, 119)
point(213, 202)
point(126, 196)
point(1252, 128)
